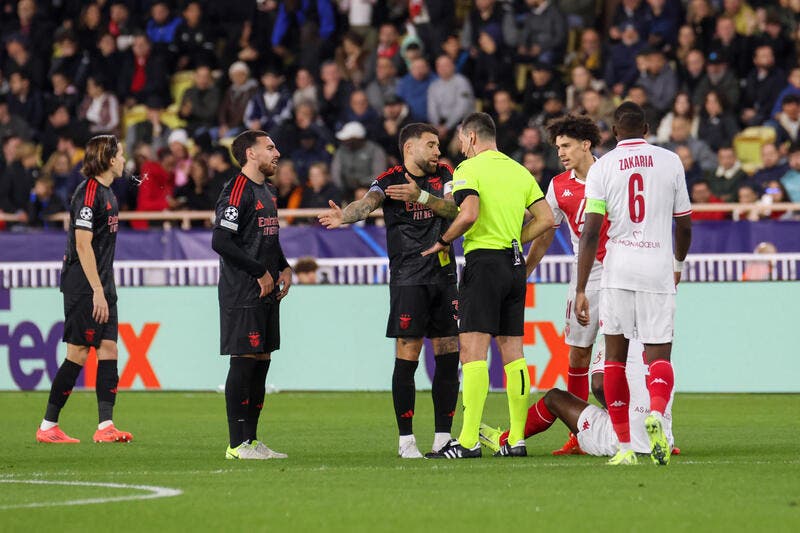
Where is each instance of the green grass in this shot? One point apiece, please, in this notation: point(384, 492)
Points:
point(739, 471)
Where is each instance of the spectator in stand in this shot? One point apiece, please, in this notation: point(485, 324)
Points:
point(19, 57)
point(34, 27)
point(535, 163)
point(100, 108)
point(509, 122)
point(24, 100)
point(195, 195)
point(388, 48)
point(682, 134)
point(162, 27)
point(305, 88)
point(320, 190)
point(450, 99)
point(58, 168)
point(771, 166)
point(156, 191)
point(105, 61)
point(70, 59)
point(775, 193)
point(309, 151)
point(63, 93)
point(359, 110)
point(413, 88)
point(718, 78)
point(733, 46)
point(271, 106)
point(8, 157)
point(717, 125)
point(221, 171)
point(596, 105)
point(638, 95)
point(120, 25)
point(700, 18)
point(151, 130)
point(360, 14)
point(384, 85)
point(230, 115)
point(290, 193)
point(787, 122)
point(543, 84)
point(333, 95)
point(305, 269)
point(18, 180)
point(451, 46)
point(12, 125)
point(357, 161)
point(761, 88)
point(43, 203)
point(178, 144)
point(728, 176)
point(792, 87)
point(747, 193)
point(658, 80)
point(742, 15)
point(783, 48)
point(530, 140)
point(553, 109)
point(492, 17)
point(663, 23)
point(200, 103)
point(681, 107)
point(791, 180)
point(589, 55)
point(193, 44)
point(90, 25)
point(621, 70)
point(691, 169)
point(142, 74)
point(687, 41)
point(582, 80)
point(544, 33)
point(396, 116)
point(306, 28)
point(700, 193)
point(693, 72)
point(634, 13)
point(305, 120)
point(493, 68)
point(352, 59)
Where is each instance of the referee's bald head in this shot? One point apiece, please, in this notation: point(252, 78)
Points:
point(629, 121)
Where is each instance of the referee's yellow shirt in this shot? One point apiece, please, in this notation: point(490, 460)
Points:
point(506, 189)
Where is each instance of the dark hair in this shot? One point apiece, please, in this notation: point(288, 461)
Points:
point(415, 131)
point(242, 142)
point(790, 99)
point(701, 181)
point(578, 127)
point(480, 123)
point(305, 264)
point(100, 150)
point(629, 118)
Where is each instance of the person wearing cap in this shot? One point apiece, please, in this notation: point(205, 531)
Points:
point(720, 78)
point(357, 161)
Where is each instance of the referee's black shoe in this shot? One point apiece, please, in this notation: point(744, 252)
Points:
point(454, 450)
point(518, 450)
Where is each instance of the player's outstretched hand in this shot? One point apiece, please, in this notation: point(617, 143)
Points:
point(266, 283)
point(284, 282)
point(437, 247)
point(407, 192)
point(99, 307)
point(582, 309)
point(332, 218)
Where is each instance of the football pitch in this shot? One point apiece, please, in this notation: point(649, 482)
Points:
point(739, 471)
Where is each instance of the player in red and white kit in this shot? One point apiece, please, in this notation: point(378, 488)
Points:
point(640, 189)
point(575, 137)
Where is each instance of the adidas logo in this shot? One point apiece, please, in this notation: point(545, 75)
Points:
point(407, 414)
point(259, 205)
point(566, 193)
point(619, 403)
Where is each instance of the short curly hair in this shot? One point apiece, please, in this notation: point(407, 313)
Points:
point(579, 127)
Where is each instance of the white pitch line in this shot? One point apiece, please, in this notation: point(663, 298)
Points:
point(154, 492)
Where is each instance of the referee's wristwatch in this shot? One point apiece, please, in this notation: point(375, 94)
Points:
point(441, 241)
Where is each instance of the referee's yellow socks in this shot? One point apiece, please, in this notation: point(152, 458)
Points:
point(473, 396)
point(518, 387)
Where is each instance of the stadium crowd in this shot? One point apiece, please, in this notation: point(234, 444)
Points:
point(333, 82)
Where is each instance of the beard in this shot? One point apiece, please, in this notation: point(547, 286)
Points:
point(426, 165)
point(267, 169)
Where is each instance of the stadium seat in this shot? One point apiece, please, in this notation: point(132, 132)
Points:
point(748, 143)
point(178, 84)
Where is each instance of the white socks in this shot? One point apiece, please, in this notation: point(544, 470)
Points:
point(46, 424)
point(105, 424)
point(439, 441)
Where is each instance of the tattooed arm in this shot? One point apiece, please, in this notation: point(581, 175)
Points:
point(409, 192)
point(355, 211)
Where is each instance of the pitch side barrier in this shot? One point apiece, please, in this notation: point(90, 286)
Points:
point(371, 271)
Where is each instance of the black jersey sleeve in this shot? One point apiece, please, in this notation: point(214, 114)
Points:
point(84, 207)
point(222, 243)
point(230, 204)
point(380, 183)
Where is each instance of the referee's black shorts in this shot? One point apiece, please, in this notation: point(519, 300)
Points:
point(417, 311)
point(250, 330)
point(492, 294)
point(80, 328)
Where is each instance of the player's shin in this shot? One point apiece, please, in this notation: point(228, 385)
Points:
point(660, 383)
point(618, 396)
point(258, 383)
point(476, 387)
point(237, 397)
point(106, 390)
point(518, 385)
point(62, 387)
point(404, 394)
point(445, 391)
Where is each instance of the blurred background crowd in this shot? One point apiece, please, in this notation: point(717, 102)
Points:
point(333, 82)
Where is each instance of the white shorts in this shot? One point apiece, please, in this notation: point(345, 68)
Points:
point(577, 335)
point(646, 316)
point(595, 432)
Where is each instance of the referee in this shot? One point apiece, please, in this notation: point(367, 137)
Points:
point(493, 193)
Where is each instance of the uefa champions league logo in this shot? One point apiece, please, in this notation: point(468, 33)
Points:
point(231, 213)
point(85, 213)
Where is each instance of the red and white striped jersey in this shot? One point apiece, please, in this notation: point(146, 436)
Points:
point(643, 187)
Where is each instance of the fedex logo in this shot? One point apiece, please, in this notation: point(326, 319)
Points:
point(33, 352)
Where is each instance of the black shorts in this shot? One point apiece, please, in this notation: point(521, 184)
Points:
point(492, 294)
point(250, 330)
point(80, 328)
point(418, 311)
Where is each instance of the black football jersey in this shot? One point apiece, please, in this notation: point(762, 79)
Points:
point(250, 212)
point(412, 227)
point(93, 208)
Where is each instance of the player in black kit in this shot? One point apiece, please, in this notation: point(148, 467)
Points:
point(417, 208)
point(90, 295)
point(254, 277)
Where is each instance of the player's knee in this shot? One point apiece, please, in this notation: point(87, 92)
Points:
point(444, 345)
point(551, 399)
point(108, 350)
point(408, 348)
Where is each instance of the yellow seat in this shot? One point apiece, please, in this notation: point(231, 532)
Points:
point(748, 143)
point(178, 84)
